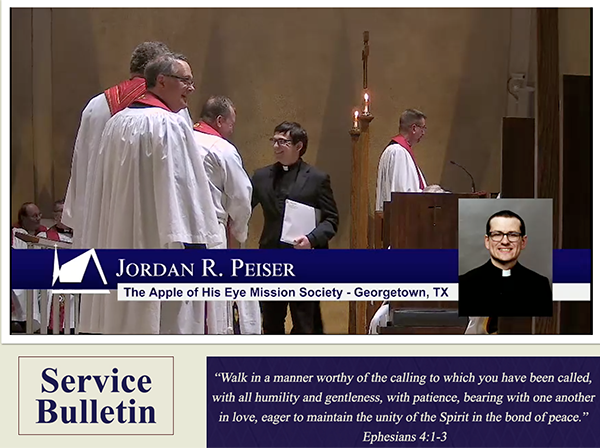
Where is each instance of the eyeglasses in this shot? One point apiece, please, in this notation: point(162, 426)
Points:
point(497, 237)
point(189, 82)
point(280, 141)
point(421, 126)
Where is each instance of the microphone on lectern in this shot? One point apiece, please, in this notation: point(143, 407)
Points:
point(466, 171)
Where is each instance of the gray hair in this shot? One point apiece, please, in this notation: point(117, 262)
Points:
point(410, 117)
point(162, 65)
point(215, 106)
point(143, 54)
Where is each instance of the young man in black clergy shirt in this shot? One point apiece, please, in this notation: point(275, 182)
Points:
point(502, 286)
point(292, 178)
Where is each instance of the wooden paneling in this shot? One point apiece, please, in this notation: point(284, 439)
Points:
point(577, 162)
point(547, 112)
point(548, 130)
point(518, 157)
point(43, 151)
point(21, 114)
point(576, 317)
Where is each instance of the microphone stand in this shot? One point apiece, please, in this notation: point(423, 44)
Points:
point(465, 170)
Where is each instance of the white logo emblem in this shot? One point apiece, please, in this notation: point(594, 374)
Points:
point(73, 270)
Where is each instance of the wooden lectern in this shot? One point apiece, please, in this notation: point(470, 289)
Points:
point(422, 221)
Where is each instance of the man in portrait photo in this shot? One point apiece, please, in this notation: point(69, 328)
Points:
point(503, 286)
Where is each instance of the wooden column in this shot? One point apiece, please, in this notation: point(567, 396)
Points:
point(359, 239)
point(364, 209)
point(576, 317)
point(518, 158)
point(360, 185)
point(356, 190)
point(548, 113)
point(354, 134)
point(548, 133)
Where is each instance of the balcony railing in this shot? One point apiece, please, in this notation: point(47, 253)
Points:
point(43, 297)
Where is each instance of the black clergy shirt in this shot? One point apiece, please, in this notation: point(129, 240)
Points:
point(485, 291)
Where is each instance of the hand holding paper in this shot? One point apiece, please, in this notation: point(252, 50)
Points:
point(302, 243)
point(298, 221)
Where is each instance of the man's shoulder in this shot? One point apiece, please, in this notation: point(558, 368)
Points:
point(97, 104)
point(154, 114)
point(395, 148)
point(314, 171)
point(534, 276)
point(98, 99)
point(214, 143)
point(393, 152)
point(147, 122)
point(473, 274)
point(262, 172)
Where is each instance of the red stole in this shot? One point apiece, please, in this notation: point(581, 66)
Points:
point(206, 129)
point(402, 142)
point(150, 99)
point(123, 94)
point(53, 233)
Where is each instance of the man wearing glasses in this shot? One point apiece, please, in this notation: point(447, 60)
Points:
point(398, 170)
point(292, 178)
point(150, 191)
point(93, 119)
point(502, 286)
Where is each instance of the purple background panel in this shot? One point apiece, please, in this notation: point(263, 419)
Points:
point(585, 433)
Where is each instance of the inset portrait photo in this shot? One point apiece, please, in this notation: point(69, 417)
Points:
point(505, 257)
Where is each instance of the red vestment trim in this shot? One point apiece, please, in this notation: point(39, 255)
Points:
point(52, 234)
point(16, 225)
point(123, 94)
point(402, 142)
point(150, 99)
point(206, 129)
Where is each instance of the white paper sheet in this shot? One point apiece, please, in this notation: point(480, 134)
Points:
point(298, 220)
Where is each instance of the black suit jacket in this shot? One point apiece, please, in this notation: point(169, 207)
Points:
point(484, 292)
point(312, 187)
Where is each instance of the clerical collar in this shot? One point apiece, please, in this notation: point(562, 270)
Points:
point(504, 272)
point(287, 168)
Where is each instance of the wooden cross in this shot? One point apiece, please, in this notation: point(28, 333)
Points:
point(434, 207)
point(365, 57)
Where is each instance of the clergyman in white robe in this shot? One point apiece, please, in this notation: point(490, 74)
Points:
point(380, 318)
point(150, 192)
point(397, 172)
point(232, 196)
point(87, 144)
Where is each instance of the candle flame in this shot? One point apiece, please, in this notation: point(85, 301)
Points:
point(355, 114)
point(366, 97)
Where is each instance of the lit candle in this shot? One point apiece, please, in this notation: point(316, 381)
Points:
point(366, 111)
point(355, 125)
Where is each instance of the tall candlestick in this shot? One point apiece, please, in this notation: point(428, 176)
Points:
point(366, 109)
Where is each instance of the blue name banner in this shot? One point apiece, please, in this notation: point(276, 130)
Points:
point(428, 401)
point(104, 269)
